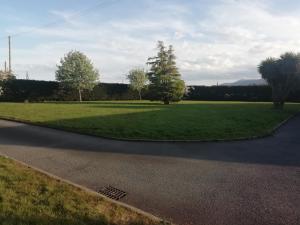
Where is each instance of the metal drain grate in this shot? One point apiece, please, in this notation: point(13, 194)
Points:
point(112, 193)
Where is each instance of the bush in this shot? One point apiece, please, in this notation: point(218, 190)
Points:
point(229, 93)
point(38, 91)
point(21, 90)
point(235, 93)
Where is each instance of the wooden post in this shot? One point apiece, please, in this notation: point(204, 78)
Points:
point(9, 55)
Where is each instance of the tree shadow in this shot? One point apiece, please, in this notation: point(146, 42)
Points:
point(137, 103)
point(74, 219)
point(47, 220)
point(162, 107)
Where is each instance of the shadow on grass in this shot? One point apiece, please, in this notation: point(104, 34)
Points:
point(45, 220)
point(149, 105)
point(173, 106)
point(113, 103)
point(60, 220)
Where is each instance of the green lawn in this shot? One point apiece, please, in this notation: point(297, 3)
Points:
point(28, 197)
point(152, 120)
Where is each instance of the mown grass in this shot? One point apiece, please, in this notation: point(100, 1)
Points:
point(152, 120)
point(28, 197)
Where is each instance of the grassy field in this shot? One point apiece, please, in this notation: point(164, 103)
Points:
point(28, 197)
point(151, 120)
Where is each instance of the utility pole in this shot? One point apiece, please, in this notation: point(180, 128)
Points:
point(27, 75)
point(5, 67)
point(9, 55)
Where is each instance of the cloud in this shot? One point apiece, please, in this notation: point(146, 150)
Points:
point(225, 43)
point(37, 71)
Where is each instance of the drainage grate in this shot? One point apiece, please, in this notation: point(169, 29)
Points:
point(112, 193)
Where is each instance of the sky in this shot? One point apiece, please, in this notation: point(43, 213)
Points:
point(215, 41)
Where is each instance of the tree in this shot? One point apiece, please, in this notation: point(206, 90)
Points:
point(165, 80)
point(6, 75)
point(3, 75)
point(282, 75)
point(77, 71)
point(138, 80)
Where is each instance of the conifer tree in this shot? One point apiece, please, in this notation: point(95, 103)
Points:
point(165, 79)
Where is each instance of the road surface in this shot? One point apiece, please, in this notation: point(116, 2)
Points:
point(227, 183)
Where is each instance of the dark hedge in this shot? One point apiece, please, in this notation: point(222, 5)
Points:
point(230, 93)
point(235, 93)
point(38, 91)
point(21, 90)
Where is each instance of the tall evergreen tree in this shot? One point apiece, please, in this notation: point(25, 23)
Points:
point(165, 80)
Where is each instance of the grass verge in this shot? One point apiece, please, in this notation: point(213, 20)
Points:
point(29, 197)
point(151, 120)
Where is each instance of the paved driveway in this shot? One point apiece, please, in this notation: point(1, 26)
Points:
point(238, 183)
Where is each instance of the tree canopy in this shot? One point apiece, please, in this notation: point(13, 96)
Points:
point(282, 75)
point(165, 80)
point(138, 80)
point(77, 71)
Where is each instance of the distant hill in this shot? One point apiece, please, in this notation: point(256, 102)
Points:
point(253, 82)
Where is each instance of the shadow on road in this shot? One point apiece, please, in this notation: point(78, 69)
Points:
point(282, 149)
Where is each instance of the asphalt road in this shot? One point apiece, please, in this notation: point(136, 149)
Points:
point(233, 183)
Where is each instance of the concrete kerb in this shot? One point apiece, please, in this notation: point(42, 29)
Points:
point(129, 207)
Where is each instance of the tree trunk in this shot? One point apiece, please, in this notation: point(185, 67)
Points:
point(278, 98)
point(278, 105)
point(80, 97)
point(140, 95)
point(166, 101)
